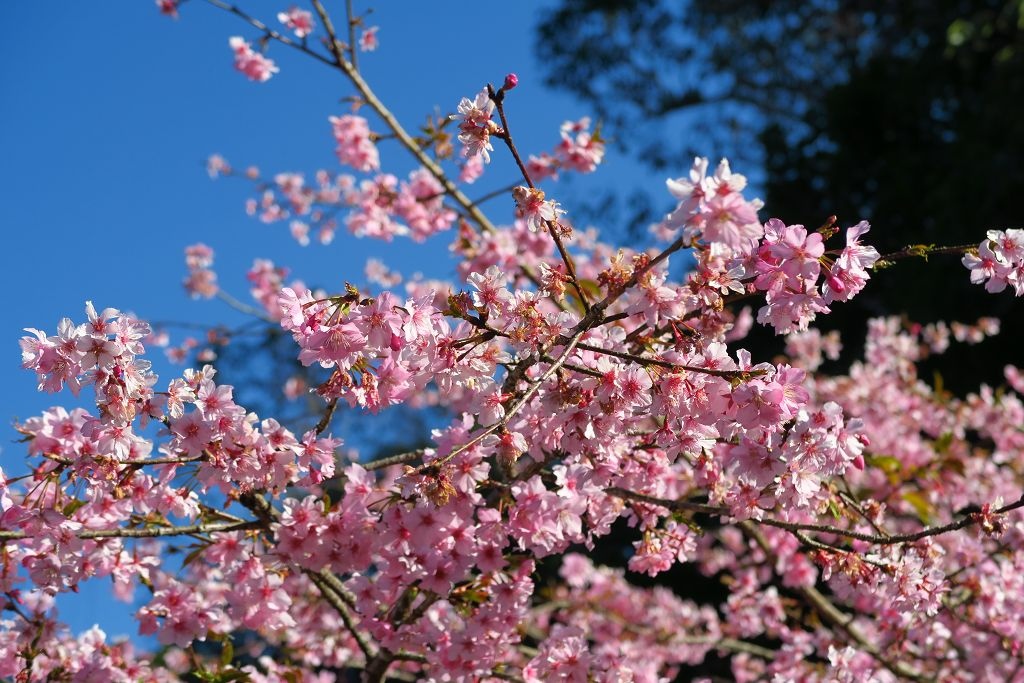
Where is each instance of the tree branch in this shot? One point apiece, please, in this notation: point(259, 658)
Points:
point(893, 539)
point(389, 119)
point(148, 532)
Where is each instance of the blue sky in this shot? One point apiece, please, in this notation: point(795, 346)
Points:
point(109, 113)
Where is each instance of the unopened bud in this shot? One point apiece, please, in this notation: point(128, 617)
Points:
point(511, 81)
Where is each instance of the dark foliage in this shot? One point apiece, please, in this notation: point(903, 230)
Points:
point(906, 114)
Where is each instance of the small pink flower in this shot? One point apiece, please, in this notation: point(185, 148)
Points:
point(217, 165)
point(254, 65)
point(168, 8)
point(299, 21)
point(534, 209)
point(201, 280)
point(579, 149)
point(355, 146)
point(368, 41)
point(476, 126)
point(472, 169)
point(999, 262)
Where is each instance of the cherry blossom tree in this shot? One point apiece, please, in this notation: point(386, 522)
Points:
point(865, 524)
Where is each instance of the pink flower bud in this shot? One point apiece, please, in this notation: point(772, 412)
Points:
point(511, 81)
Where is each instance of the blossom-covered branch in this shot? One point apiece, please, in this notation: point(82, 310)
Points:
point(853, 526)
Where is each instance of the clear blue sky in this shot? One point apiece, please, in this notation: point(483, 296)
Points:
point(109, 112)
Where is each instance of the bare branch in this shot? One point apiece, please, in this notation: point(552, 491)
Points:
point(893, 539)
point(149, 532)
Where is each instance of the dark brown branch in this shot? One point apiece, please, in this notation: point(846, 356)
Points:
point(325, 421)
point(922, 251)
point(641, 360)
point(499, 100)
point(400, 459)
point(894, 539)
point(149, 532)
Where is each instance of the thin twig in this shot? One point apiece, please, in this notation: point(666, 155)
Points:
point(520, 402)
point(641, 360)
point(371, 99)
point(346, 616)
point(269, 32)
point(922, 251)
point(332, 589)
point(399, 459)
point(495, 193)
point(351, 33)
point(243, 307)
point(148, 532)
point(169, 460)
point(893, 539)
point(553, 227)
point(325, 421)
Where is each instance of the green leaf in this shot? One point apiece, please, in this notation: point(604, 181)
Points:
point(193, 556)
point(72, 506)
point(887, 463)
point(943, 443)
point(920, 504)
point(591, 288)
point(959, 32)
point(952, 465)
point(227, 652)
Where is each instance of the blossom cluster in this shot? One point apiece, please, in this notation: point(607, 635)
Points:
point(355, 148)
point(999, 262)
point(382, 206)
point(791, 265)
point(476, 126)
point(579, 149)
point(298, 21)
point(255, 65)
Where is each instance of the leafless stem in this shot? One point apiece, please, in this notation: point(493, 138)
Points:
point(392, 123)
point(499, 100)
point(922, 251)
point(351, 33)
point(523, 399)
point(887, 539)
point(149, 532)
point(243, 307)
point(399, 459)
point(642, 360)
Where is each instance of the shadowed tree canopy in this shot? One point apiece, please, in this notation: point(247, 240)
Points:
point(906, 114)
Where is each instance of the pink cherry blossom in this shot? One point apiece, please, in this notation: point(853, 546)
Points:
point(168, 8)
point(254, 65)
point(298, 21)
point(476, 126)
point(999, 262)
point(355, 146)
point(368, 40)
point(535, 210)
